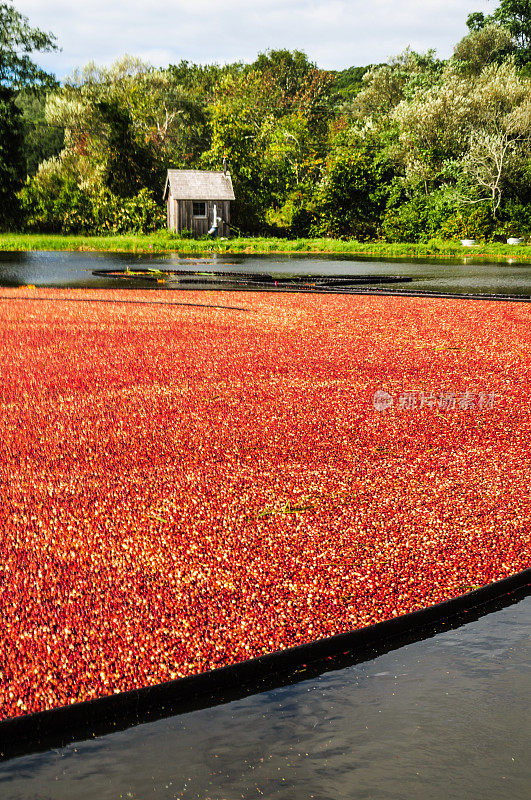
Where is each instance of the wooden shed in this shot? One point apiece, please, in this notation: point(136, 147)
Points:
point(195, 198)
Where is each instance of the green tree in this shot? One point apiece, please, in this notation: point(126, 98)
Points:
point(472, 134)
point(164, 114)
point(237, 119)
point(291, 83)
point(499, 146)
point(385, 85)
point(129, 122)
point(347, 84)
point(41, 140)
point(130, 165)
point(271, 122)
point(482, 47)
point(290, 71)
point(354, 187)
point(203, 80)
point(515, 16)
point(11, 157)
point(124, 126)
point(17, 40)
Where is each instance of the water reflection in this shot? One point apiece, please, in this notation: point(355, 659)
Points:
point(75, 269)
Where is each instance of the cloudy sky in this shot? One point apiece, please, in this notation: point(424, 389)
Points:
point(334, 33)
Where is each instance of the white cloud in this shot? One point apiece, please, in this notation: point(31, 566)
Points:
point(335, 34)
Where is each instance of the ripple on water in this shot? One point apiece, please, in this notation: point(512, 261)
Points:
point(442, 718)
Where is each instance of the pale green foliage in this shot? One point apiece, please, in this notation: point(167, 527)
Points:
point(500, 143)
point(66, 110)
point(382, 91)
point(489, 160)
point(497, 93)
point(83, 171)
point(481, 47)
point(161, 111)
point(121, 71)
point(84, 154)
point(519, 119)
point(433, 126)
point(485, 120)
point(384, 86)
point(76, 115)
point(515, 16)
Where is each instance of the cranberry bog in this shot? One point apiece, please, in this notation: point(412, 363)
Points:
point(190, 481)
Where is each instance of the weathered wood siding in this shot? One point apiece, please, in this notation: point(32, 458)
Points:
point(180, 216)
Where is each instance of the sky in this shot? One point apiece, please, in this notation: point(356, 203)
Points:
point(334, 33)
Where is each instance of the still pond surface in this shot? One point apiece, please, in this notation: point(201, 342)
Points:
point(444, 718)
point(72, 269)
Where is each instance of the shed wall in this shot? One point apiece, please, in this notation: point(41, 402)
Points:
point(180, 216)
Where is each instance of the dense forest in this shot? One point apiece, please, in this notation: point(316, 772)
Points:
point(414, 149)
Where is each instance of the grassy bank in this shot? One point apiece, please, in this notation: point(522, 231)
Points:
point(163, 242)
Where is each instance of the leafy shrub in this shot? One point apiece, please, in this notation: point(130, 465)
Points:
point(352, 194)
point(303, 220)
point(469, 222)
point(419, 219)
point(54, 202)
point(138, 214)
point(515, 220)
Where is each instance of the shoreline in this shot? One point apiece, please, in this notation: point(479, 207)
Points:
point(162, 243)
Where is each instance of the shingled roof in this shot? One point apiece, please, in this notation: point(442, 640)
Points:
point(195, 184)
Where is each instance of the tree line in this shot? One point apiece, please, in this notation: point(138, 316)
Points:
point(409, 150)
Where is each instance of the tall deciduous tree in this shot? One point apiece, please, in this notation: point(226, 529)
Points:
point(11, 159)
point(481, 122)
point(130, 165)
point(515, 15)
point(354, 187)
point(385, 85)
point(17, 41)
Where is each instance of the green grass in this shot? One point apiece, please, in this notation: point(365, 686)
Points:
point(164, 242)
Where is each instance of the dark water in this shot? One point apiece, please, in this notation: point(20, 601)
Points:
point(441, 719)
point(73, 269)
